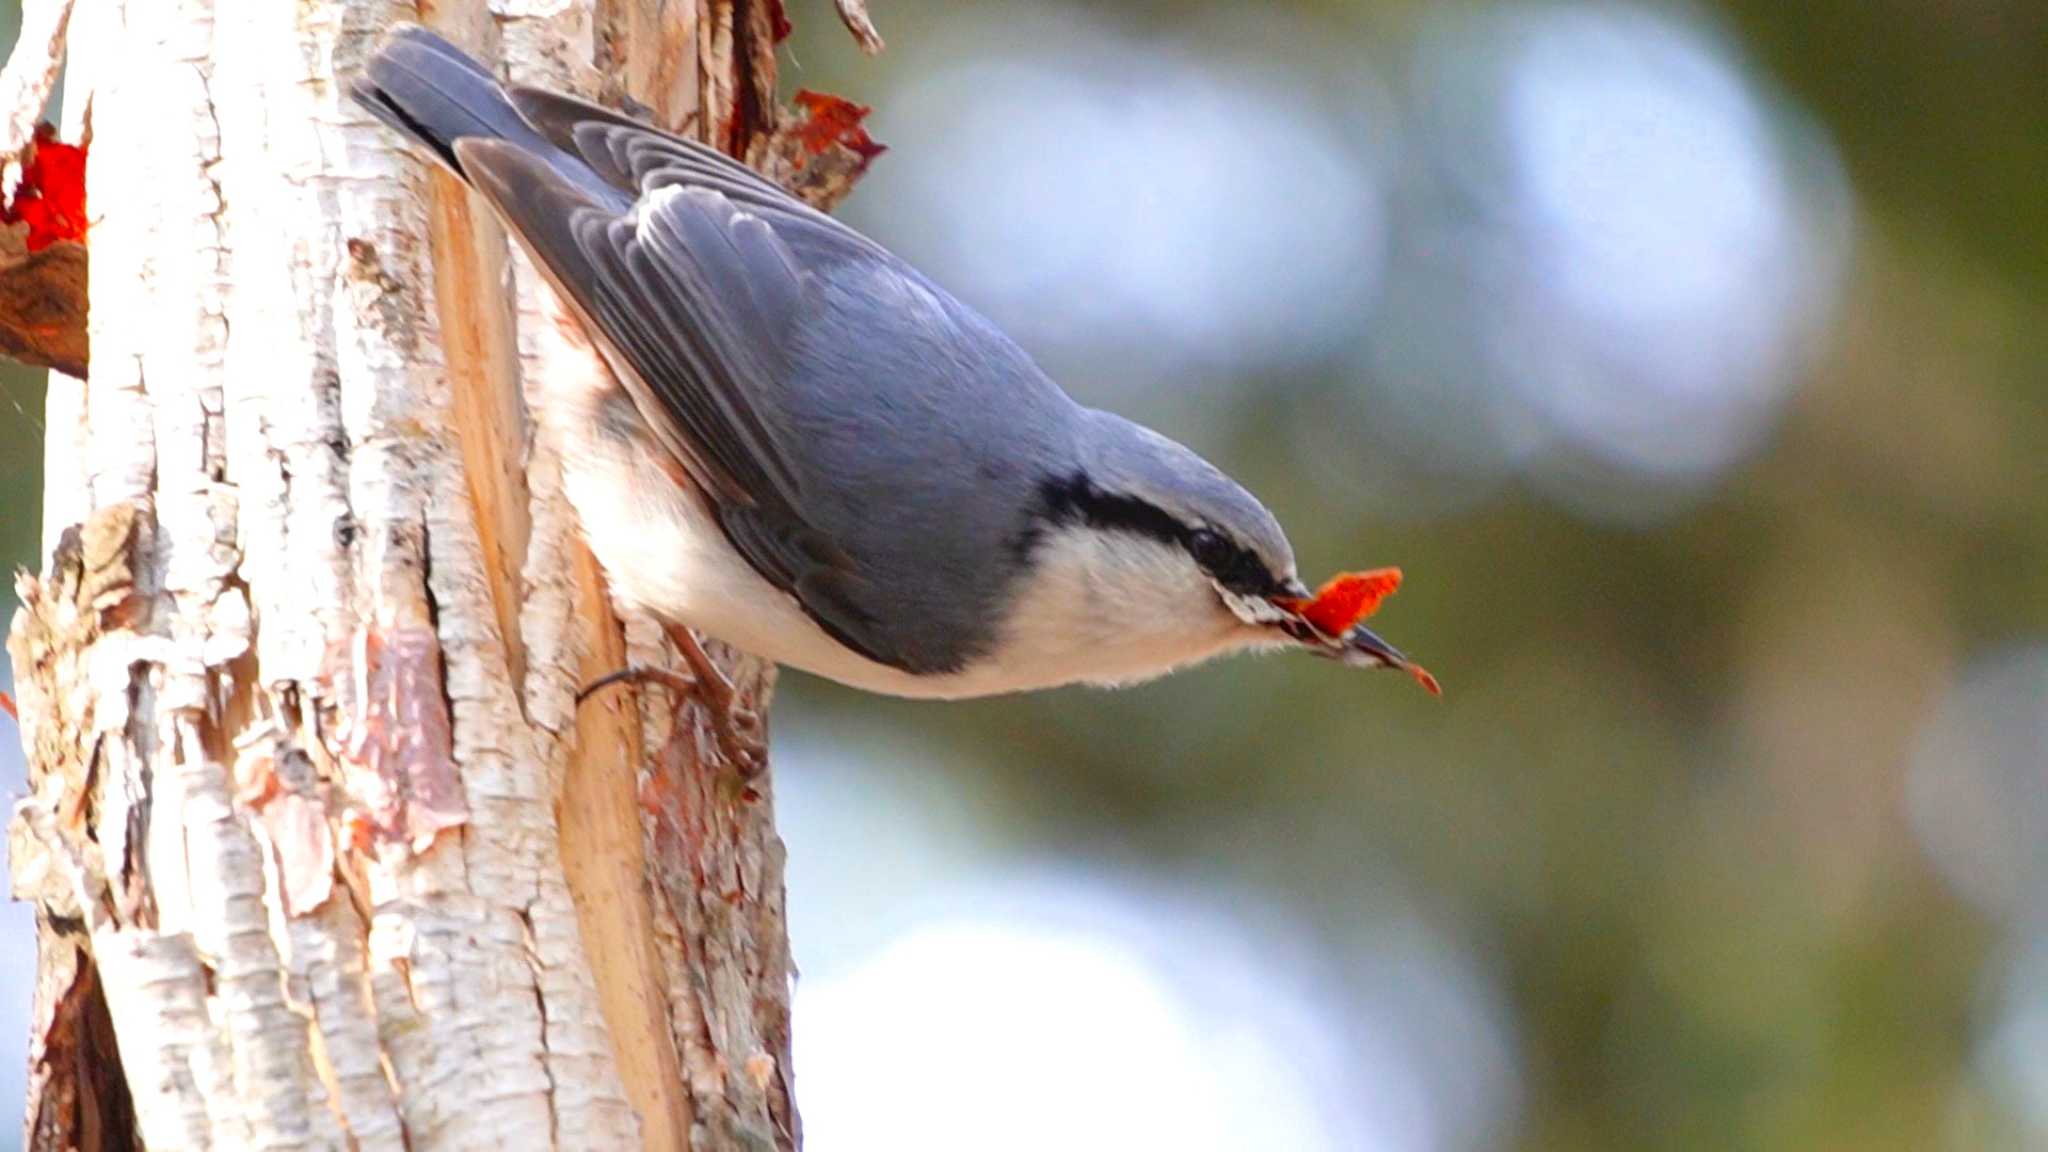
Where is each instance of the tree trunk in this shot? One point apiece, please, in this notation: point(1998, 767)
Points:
point(323, 851)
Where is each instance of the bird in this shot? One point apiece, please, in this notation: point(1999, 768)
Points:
point(791, 440)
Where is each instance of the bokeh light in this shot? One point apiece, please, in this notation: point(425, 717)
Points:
point(1610, 259)
point(17, 940)
point(2012, 1055)
point(1077, 1006)
point(1978, 790)
point(1136, 214)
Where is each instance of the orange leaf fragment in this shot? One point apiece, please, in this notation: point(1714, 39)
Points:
point(51, 196)
point(1428, 682)
point(7, 706)
point(833, 120)
point(1345, 599)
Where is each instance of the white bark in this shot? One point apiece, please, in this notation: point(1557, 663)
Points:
point(316, 827)
point(31, 71)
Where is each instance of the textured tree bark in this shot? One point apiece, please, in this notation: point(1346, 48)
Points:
point(323, 852)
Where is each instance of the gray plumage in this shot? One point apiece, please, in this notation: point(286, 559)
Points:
point(868, 444)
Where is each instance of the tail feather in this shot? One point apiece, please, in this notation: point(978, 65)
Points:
point(432, 92)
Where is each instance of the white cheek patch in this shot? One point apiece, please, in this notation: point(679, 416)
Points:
point(1255, 610)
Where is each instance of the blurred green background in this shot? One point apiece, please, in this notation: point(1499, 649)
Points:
point(1693, 363)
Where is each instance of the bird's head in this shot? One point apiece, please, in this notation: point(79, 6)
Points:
point(1174, 544)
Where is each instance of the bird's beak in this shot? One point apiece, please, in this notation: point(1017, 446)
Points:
point(1362, 647)
point(1329, 622)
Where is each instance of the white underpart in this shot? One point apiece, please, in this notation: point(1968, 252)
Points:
point(1112, 608)
point(1098, 607)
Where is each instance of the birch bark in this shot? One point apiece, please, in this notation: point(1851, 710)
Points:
point(322, 850)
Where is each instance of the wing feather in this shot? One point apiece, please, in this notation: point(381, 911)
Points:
point(694, 302)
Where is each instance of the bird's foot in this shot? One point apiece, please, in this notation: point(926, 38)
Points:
point(741, 739)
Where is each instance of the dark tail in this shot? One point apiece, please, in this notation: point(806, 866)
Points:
point(433, 93)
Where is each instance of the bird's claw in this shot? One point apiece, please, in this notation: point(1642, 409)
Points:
point(741, 739)
point(675, 682)
point(739, 731)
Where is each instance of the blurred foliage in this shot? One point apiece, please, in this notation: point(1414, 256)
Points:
point(21, 464)
point(1662, 803)
point(1938, 107)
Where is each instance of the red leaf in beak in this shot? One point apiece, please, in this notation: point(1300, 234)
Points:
point(1345, 599)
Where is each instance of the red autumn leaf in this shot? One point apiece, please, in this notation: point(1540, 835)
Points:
point(51, 196)
point(778, 21)
point(1345, 599)
point(830, 120)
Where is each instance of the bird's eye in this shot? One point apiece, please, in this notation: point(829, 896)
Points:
point(1210, 549)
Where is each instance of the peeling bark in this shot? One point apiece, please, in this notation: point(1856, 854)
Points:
point(42, 303)
point(854, 14)
point(322, 850)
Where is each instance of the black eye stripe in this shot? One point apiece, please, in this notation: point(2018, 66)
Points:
point(1210, 549)
point(1075, 499)
point(1239, 570)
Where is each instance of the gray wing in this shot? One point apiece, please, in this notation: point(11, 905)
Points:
point(633, 158)
point(841, 412)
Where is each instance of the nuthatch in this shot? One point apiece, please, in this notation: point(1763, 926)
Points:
point(793, 441)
